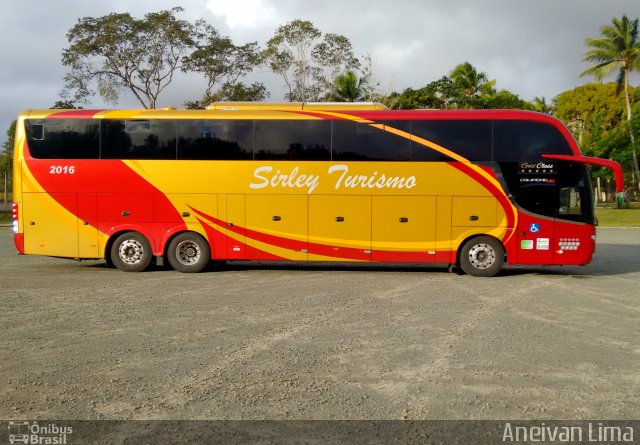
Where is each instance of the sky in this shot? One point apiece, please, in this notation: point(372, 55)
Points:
point(532, 48)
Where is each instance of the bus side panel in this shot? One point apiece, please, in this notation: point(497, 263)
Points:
point(403, 228)
point(186, 217)
point(472, 216)
point(50, 229)
point(283, 219)
point(125, 208)
point(339, 228)
point(574, 243)
point(444, 248)
point(18, 238)
point(236, 220)
point(474, 211)
point(87, 230)
point(127, 211)
point(535, 236)
point(219, 250)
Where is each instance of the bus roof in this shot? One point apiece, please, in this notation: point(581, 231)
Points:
point(295, 110)
point(299, 106)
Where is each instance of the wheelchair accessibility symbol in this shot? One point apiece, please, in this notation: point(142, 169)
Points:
point(534, 228)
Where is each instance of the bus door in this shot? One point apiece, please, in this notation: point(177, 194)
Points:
point(574, 241)
point(533, 186)
point(575, 225)
point(536, 225)
point(555, 224)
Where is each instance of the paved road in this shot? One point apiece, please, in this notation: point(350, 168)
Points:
point(259, 341)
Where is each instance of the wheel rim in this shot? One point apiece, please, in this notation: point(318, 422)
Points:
point(482, 256)
point(131, 251)
point(188, 252)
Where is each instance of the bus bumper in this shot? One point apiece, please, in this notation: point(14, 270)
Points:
point(18, 240)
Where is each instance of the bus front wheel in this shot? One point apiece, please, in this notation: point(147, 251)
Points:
point(131, 252)
point(482, 256)
point(188, 252)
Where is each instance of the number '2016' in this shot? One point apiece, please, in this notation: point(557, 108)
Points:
point(62, 169)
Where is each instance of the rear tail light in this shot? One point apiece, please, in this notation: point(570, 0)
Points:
point(14, 217)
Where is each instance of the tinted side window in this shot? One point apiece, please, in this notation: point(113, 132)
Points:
point(470, 139)
point(138, 139)
point(297, 139)
point(353, 141)
point(215, 140)
point(526, 140)
point(63, 138)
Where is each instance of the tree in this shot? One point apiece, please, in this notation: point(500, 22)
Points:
point(65, 105)
point(596, 117)
point(439, 94)
point(255, 92)
point(6, 157)
point(503, 99)
point(349, 87)
point(591, 112)
point(223, 65)
point(307, 61)
point(471, 84)
point(332, 56)
point(617, 51)
point(371, 79)
point(119, 52)
point(578, 107)
point(540, 105)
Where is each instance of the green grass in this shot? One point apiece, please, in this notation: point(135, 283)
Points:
point(612, 217)
point(5, 217)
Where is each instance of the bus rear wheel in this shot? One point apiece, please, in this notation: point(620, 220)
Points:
point(188, 252)
point(482, 256)
point(131, 252)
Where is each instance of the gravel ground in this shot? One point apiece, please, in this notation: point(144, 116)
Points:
point(321, 341)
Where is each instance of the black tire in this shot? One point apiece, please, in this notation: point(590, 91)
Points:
point(108, 263)
point(482, 256)
point(131, 252)
point(188, 252)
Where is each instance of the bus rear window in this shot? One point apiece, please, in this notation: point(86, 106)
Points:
point(63, 138)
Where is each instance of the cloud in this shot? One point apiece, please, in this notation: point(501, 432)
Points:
point(243, 13)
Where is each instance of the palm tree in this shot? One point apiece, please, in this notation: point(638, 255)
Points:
point(617, 50)
point(541, 106)
point(349, 88)
point(472, 84)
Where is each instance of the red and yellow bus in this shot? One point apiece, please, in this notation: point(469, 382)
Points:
point(303, 182)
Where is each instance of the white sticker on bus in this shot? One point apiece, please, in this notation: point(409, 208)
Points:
point(542, 243)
